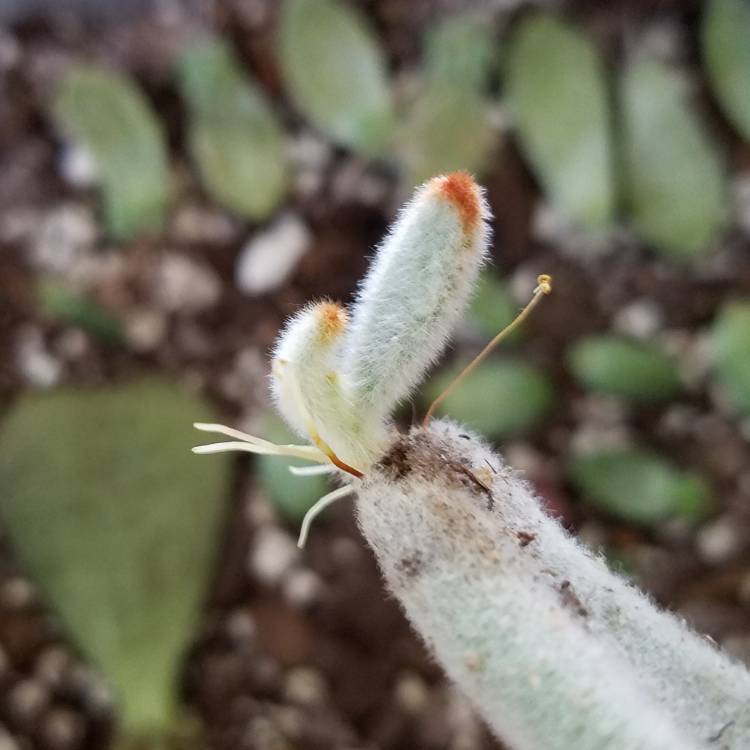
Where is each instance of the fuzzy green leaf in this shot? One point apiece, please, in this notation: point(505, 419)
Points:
point(234, 136)
point(105, 112)
point(292, 495)
point(639, 486)
point(335, 72)
point(62, 304)
point(117, 522)
point(725, 35)
point(501, 398)
point(634, 370)
point(675, 183)
point(731, 350)
point(558, 96)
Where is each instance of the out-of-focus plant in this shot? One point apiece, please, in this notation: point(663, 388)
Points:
point(639, 486)
point(107, 114)
point(731, 353)
point(553, 649)
point(502, 398)
point(725, 31)
point(118, 528)
point(557, 92)
point(234, 136)
point(674, 176)
point(447, 127)
point(62, 304)
point(335, 73)
point(634, 370)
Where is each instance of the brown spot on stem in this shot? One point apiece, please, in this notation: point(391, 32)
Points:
point(570, 599)
point(461, 190)
point(525, 538)
point(411, 566)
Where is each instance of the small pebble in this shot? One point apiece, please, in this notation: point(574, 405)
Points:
point(62, 729)
point(145, 329)
point(305, 687)
point(241, 626)
point(63, 235)
point(719, 540)
point(183, 285)
point(51, 665)
point(7, 741)
point(272, 554)
point(17, 593)
point(199, 224)
point(411, 693)
point(270, 256)
point(26, 701)
point(36, 365)
point(78, 166)
point(640, 319)
point(301, 587)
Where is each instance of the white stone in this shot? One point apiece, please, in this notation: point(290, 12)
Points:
point(183, 285)
point(301, 587)
point(78, 166)
point(62, 237)
point(305, 686)
point(35, 364)
point(272, 554)
point(641, 319)
point(269, 257)
point(718, 540)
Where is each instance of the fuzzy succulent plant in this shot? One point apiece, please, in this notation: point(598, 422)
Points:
point(554, 650)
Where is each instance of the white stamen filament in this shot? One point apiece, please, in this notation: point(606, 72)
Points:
point(311, 471)
point(318, 508)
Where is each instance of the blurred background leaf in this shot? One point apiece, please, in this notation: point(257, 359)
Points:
point(335, 72)
point(639, 486)
point(235, 139)
point(725, 34)
point(557, 92)
point(118, 524)
point(674, 175)
point(105, 112)
point(731, 351)
point(501, 398)
point(634, 370)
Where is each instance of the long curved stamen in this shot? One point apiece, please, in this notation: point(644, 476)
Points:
point(311, 471)
point(306, 452)
point(318, 508)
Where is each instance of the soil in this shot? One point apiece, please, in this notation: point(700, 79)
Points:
point(322, 657)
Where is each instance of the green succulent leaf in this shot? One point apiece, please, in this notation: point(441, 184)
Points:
point(725, 34)
point(493, 307)
point(674, 177)
point(731, 351)
point(460, 51)
point(292, 495)
point(633, 370)
point(61, 304)
point(501, 398)
point(639, 486)
point(447, 129)
point(117, 522)
point(235, 139)
point(557, 92)
point(335, 73)
point(105, 112)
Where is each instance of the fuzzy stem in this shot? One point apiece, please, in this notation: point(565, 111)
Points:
point(554, 650)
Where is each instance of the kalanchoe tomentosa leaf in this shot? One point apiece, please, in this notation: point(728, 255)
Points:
point(118, 525)
point(634, 370)
point(558, 97)
point(105, 112)
point(234, 137)
point(731, 352)
point(725, 34)
point(674, 177)
point(501, 398)
point(335, 72)
point(639, 486)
